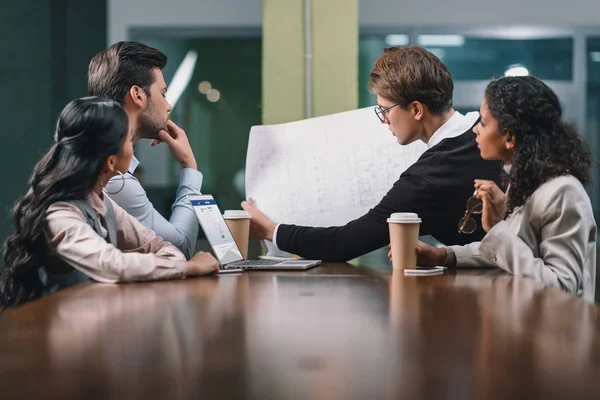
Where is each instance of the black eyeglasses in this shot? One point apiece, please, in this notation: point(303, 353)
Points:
point(467, 224)
point(381, 112)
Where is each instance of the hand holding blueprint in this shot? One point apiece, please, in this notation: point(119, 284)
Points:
point(324, 171)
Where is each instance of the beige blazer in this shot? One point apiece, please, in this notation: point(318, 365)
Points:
point(551, 238)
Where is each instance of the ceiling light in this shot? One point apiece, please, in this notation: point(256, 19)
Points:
point(516, 70)
point(441, 40)
point(213, 95)
point(182, 77)
point(397, 40)
point(204, 87)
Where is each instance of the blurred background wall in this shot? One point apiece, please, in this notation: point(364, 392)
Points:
point(45, 48)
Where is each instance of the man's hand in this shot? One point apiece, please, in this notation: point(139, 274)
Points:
point(261, 227)
point(179, 145)
point(494, 203)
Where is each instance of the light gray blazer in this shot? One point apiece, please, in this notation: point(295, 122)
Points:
point(551, 238)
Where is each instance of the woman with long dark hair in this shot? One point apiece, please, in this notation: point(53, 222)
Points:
point(544, 226)
point(66, 230)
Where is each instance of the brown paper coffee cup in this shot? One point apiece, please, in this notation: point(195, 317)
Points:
point(238, 223)
point(404, 236)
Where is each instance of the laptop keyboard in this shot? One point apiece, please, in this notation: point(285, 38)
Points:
point(253, 263)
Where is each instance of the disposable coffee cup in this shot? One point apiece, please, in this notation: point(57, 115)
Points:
point(238, 222)
point(404, 236)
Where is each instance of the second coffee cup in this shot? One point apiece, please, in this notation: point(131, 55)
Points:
point(238, 222)
point(404, 236)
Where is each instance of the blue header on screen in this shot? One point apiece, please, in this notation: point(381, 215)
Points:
point(203, 202)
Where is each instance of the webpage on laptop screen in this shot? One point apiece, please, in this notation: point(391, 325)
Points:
point(216, 230)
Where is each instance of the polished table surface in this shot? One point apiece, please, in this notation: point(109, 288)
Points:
point(333, 332)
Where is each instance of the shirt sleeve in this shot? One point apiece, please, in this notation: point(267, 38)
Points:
point(275, 235)
point(411, 193)
point(470, 255)
point(139, 256)
point(182, 227)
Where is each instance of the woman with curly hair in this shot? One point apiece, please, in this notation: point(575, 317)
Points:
point(66, 230)
point(544, 227)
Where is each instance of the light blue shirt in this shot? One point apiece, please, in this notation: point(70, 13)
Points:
point(182, 228)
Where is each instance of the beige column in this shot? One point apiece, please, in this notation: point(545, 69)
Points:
point(335, 56)
point(334, 38)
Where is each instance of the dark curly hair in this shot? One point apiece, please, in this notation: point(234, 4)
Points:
point(545, 146)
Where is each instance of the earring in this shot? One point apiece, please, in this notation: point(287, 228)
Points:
point(118, 191)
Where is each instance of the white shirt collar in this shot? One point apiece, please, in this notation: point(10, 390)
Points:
point(133, 165)
point(455, 126)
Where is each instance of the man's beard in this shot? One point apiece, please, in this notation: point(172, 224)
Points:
point(148, 127)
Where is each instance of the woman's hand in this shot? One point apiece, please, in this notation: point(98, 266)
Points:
point(494, 203)
point(261, 227)
point(201, 264)
point(427, 256)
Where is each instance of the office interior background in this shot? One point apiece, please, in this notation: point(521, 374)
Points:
point(46, 47)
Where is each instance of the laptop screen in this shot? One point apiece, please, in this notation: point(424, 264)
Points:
point(215, 229)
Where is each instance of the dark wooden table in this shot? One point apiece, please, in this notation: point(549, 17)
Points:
point(334, 332)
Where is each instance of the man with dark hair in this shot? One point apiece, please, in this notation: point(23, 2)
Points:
point(414, 96)
point(131, 73)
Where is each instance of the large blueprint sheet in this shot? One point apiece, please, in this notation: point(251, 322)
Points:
point(324, 171)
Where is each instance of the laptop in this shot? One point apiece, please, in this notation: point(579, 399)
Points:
point(224, 247)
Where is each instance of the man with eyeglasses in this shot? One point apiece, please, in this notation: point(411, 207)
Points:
point(414, 96)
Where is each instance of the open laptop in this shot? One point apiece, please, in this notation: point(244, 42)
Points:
point(224, 246)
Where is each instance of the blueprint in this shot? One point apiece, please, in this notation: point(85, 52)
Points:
point(324, 171)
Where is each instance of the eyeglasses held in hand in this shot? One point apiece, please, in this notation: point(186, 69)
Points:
point(382, 112)
point(467, 224)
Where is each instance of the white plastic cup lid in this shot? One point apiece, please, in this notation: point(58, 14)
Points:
point(236, 214)
point(404, 218)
